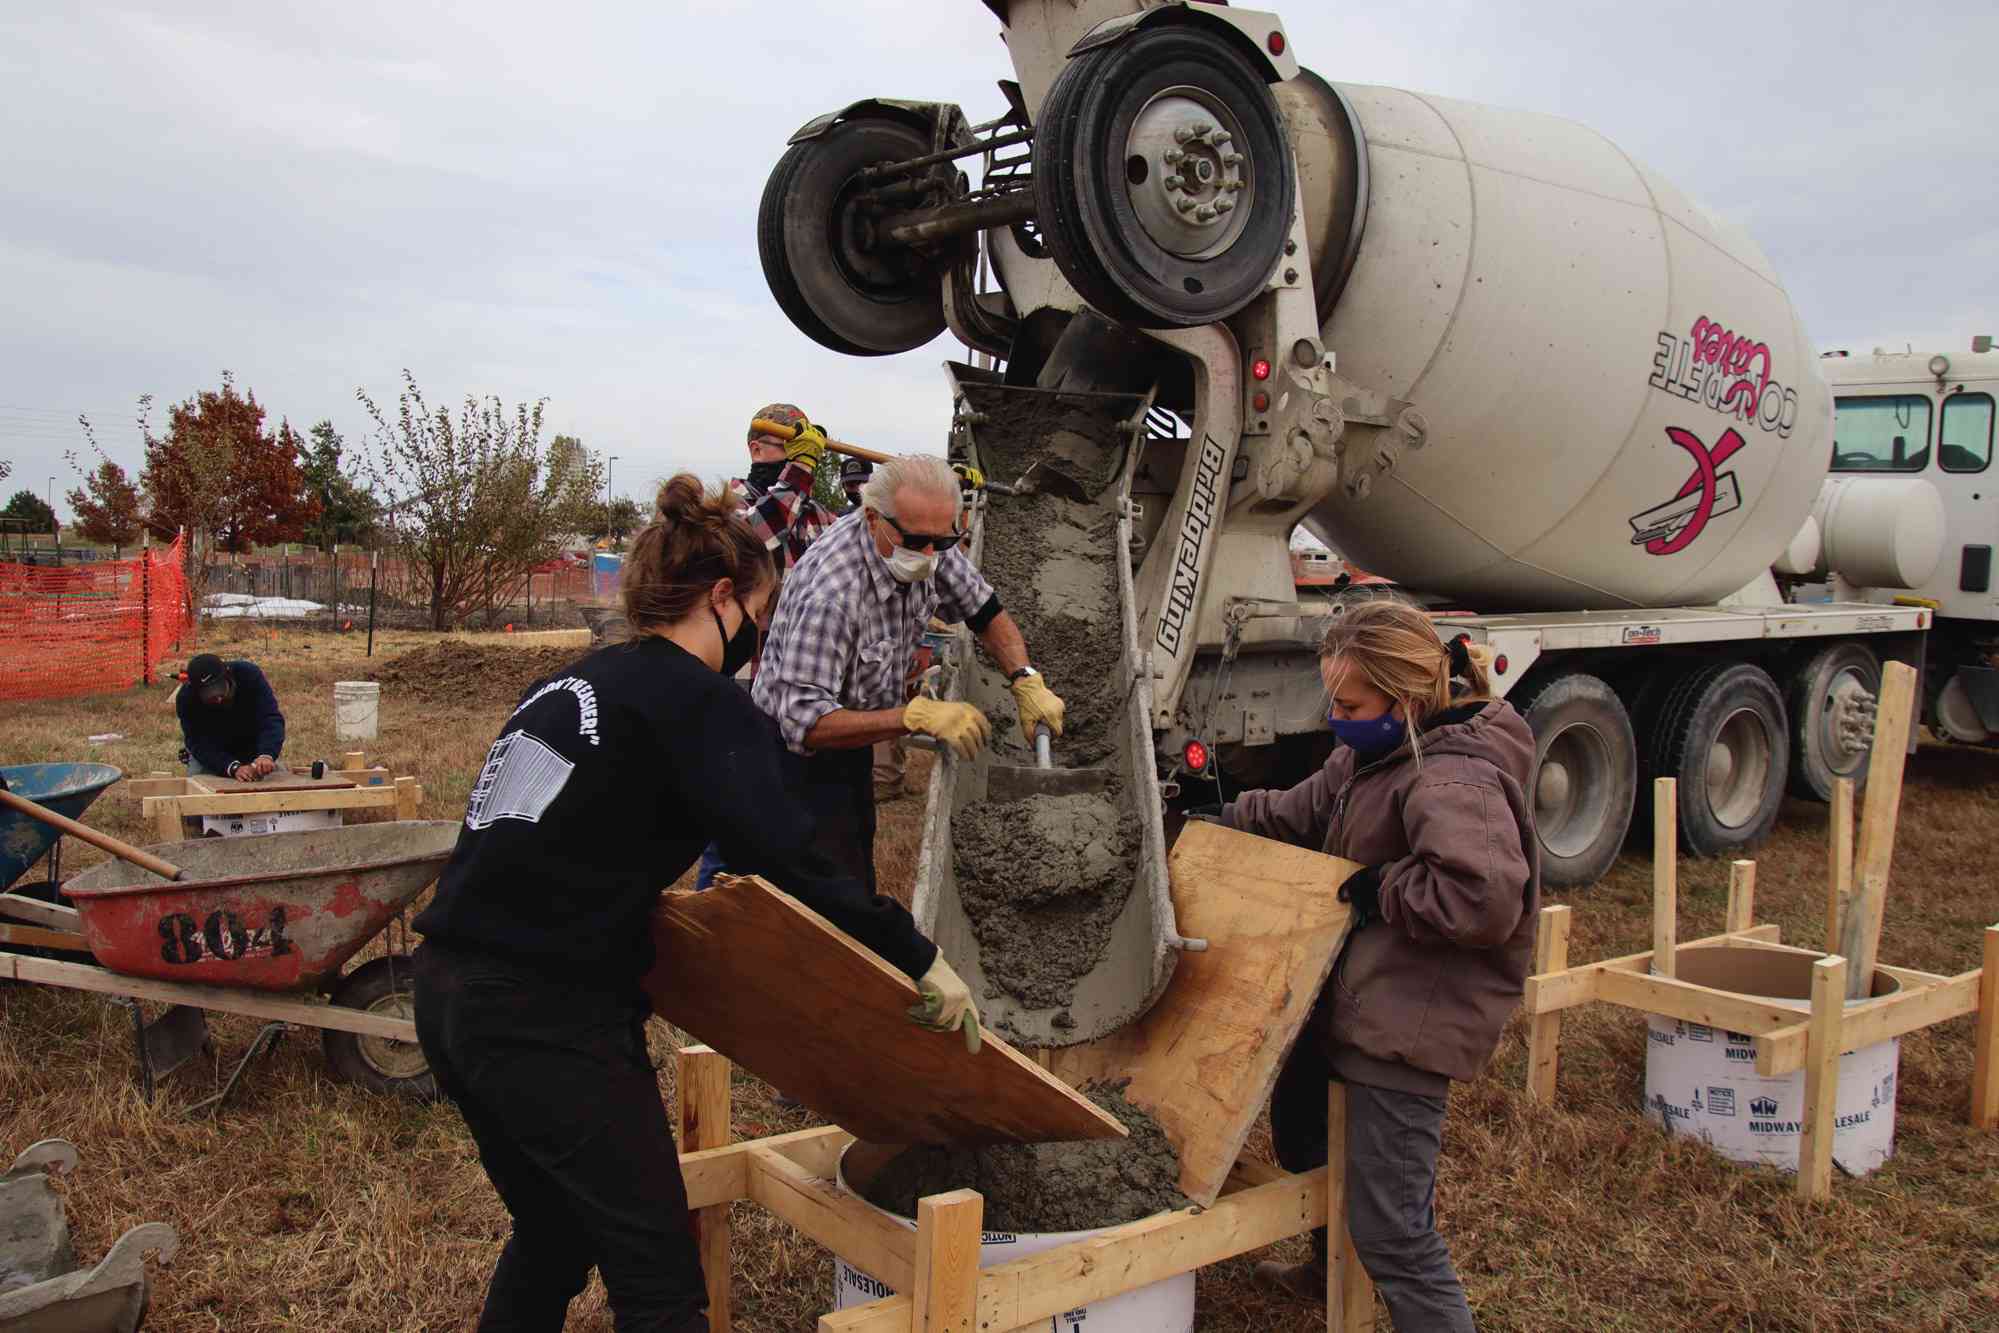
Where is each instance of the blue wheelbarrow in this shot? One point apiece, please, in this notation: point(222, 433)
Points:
point(67, 789)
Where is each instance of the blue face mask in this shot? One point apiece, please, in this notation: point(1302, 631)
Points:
point(1371, 738)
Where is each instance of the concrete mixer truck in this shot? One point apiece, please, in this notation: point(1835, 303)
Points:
point(1483, 353)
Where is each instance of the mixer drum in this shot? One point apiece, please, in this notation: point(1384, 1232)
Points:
point(1623, 408)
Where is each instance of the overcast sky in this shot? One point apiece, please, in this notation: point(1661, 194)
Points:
point(560, 200)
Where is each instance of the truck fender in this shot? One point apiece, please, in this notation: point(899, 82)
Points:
point(921, 115)
point(1250, 29)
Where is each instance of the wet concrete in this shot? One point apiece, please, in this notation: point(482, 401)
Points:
point(1047, 1186)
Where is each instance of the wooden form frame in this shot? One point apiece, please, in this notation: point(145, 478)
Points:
point(935, 1267)
point(165, 799)
point(1785, 1039)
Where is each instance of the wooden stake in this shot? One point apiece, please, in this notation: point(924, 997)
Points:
point(1985, 1056)
point(1741, 896)
point(1821, 1078)
point(1349, 1293)
point(1839, 877)
point(702, 1077)
point(946, 1291)
point(1665, 874)
point(1860, 930)
point(354, 759)
point(1544, 1033)
point(408, 796)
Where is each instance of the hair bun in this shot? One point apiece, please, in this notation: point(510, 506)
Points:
point(682, 499)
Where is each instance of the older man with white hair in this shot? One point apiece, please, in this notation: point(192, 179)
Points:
point(835, 664)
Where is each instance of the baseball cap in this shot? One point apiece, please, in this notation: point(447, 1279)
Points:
point(208, 677)
point(856, 469)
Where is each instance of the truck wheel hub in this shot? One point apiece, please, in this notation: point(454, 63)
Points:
point(1190, 183)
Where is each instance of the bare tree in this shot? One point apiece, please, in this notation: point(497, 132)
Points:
point(475, 503)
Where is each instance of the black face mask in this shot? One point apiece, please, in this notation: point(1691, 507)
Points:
point(763, 476)
point(738, 650)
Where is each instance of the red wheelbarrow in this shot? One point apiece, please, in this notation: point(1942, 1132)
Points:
point(283, 912)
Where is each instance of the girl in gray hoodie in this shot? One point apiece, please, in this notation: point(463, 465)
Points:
point(1428, 792)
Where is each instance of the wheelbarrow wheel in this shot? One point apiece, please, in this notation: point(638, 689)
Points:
point(384, 986)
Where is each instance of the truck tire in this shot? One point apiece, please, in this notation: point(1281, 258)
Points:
point(839, 288)
point(1831, 706)
point(380, 986)
point(1721, 733)
point(1585, 775)
point(1148, 217)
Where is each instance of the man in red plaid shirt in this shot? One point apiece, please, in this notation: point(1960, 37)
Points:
point(777, 493)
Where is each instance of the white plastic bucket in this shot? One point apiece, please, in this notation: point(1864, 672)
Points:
point(356, 704)
point(1166, 1306)
point(1701, 1080)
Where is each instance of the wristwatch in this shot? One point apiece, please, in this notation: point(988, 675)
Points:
point(1013, 676)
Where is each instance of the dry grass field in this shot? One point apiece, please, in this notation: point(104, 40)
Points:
point(308, 1205)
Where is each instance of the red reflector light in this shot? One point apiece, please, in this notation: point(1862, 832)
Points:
point(1196, 755)
point(1260, 401)
point(1499, 664)
point(1259, 369)
point(1276, 43)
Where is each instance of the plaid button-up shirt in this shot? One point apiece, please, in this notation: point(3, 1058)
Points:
point(846, 631)
point(786, 516)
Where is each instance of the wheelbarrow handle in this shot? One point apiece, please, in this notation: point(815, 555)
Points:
point(119, 848)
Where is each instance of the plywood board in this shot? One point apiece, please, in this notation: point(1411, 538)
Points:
point(1204, 1059)
point(280, 781)
point(774, 986)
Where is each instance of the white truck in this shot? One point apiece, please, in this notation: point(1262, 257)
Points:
point(1483, 353)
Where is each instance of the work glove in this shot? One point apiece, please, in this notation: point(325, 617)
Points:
point(1207, 814)
point(1362, 892)
point(808, 446)
point(1037, 704)
point(969, 477)
point(959, 725)
point(946, 1004)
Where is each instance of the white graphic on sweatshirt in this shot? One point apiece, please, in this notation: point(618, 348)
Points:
point(586, 703)
point(521, 779)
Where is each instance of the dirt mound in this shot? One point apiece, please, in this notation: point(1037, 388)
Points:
point(1047, 1186)
point(454, 671)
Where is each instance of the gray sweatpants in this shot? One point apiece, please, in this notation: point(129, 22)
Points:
point(1392, 1143)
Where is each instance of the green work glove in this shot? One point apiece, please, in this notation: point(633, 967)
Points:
point(946, 1004)
point(808, 446)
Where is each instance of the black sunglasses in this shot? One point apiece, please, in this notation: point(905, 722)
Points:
point(919, 541)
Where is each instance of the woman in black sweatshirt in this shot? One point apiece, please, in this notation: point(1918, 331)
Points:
point(603, 787)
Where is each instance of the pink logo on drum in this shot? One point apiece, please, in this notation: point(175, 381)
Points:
point(1673, 526)
point(1726, 372)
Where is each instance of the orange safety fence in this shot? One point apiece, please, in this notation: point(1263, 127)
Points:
point(89, 629)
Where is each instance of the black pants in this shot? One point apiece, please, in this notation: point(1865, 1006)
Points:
point(839, 787)
point(555, 1085)
point(1392, 1143)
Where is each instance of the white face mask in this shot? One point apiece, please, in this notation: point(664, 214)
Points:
point(911, 566)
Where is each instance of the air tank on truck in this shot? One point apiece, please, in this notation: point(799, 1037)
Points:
point(1485, 354)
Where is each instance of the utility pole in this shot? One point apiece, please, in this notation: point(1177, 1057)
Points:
point(609, 523)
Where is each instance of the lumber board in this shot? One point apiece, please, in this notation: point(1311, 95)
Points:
point(53, 915)
point(1670, 997)
point(1860, 928)
point(41, 937)
point(1349, 1293)
point(1741, 896)
point(222, 999)
point(864, 1236)
point(1883, 1018)
point(208, 783)
point(1544, 1033)
point(157, 784)
point(1821, 1078)
point(1569, 987)
point(269, 802)
point(1665, 875)
point(701, 1084)
point(1985, 1054)
point(760, 977)
point(948, 1232)
point(1204, 1058)
point(722, 1175)
point(1839, 858)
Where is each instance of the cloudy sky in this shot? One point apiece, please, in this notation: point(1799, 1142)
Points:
point(559, 200)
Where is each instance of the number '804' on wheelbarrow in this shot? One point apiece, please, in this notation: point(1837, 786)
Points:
point(280, 912)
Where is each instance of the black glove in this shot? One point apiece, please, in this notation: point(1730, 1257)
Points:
point(1207, 814)
point(1363, 891)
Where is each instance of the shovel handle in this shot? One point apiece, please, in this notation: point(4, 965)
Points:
point(1043, 754)
point(119, 848)
point(784, 432)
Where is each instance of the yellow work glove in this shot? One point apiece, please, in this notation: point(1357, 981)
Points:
point(946, 1004)
point(959, 725)
point(969, 477)
point(1037, 704)
point(808, 446)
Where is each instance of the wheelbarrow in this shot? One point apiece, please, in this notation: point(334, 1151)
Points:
point(278, 913)
point(67, 789)
point(43, 1289)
